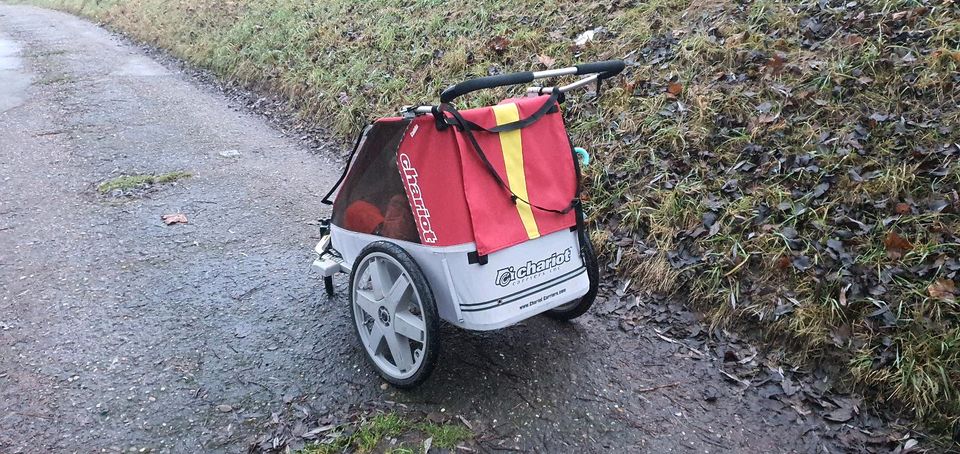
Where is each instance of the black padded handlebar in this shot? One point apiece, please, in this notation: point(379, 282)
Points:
point(485, 82)
point(605, 69)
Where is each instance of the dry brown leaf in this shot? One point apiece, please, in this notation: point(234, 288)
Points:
point(176, 218)
point(546, 60)
point(776, 63)
point(783, 262)
point(498, 45)
point(910, 15)
point(894, 241)
point(768, 118)
point(853, 40)
point(939, 53)
point(842, 414)
point(896, 245)
point(943, 290)
point(674, 88)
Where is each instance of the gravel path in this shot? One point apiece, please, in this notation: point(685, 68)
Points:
point(120, 332)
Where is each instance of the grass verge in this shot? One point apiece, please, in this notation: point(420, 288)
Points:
point(128, 182)
point(390, 432)
point(789, 165)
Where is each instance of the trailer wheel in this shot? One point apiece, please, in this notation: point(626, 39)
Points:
point(395, 315)
point(579, 307)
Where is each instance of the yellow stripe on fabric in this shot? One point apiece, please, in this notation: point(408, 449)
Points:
point(513, 160)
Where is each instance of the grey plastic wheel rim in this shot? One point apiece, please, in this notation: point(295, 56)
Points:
point(389, 316)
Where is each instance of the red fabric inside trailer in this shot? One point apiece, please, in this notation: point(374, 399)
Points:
point(372, 199)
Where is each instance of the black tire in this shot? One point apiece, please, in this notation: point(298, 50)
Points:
point(431, 319)
point(571, 311)
point(328, 285)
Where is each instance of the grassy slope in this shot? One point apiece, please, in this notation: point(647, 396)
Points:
point(792, 164)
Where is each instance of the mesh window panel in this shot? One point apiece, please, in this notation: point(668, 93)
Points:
point(372, 199)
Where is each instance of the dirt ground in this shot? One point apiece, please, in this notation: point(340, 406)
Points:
point(118, 332)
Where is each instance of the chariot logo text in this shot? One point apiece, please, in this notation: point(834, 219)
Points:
point(510, 274)
point(420, 210)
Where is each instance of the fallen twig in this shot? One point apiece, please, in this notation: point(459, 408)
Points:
point(465, 422)
point(493, 447)
point(31, 415)
point(654, 388)
point(51, 133)
point(735, 378)
point(674, 341)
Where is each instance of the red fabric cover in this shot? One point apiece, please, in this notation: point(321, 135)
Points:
point(363, 217)
point(430, 169)
point(548, 168)
point(465, 202)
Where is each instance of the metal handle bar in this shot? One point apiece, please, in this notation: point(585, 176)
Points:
point(603, 70)
point(580, 83)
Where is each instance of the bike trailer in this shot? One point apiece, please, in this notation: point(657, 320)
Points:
point(470, 216)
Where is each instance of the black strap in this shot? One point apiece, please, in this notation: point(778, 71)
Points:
point(326, 199)
point(474, 258)
point(549, 105)
point(461, 123)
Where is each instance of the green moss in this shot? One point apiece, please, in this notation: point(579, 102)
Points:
point(127, 182)
point(54, 80)
point(446, 436)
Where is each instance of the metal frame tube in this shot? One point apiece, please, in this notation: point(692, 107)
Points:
point(555, 72)
point(580, 83)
